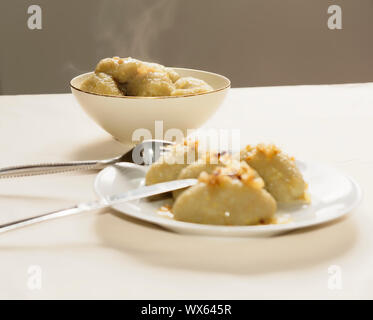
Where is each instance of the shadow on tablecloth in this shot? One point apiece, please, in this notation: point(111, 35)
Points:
point(296, 250)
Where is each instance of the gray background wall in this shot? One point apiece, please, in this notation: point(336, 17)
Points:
point(254, 42)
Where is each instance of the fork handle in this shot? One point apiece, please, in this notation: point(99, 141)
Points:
point(47, 168)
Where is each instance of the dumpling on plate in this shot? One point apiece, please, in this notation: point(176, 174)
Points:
point(282, 178)
point(169, 165)
point(231, 195)
point(207, 163)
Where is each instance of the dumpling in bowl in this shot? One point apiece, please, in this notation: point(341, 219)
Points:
point(169, 165)
point(101, 83)
point(147, 79)
point(138, 78)
point(190, 85)
point(122, 70)
point(282, 178)
point(207, 163)
point(150, 84)
point(231, 195)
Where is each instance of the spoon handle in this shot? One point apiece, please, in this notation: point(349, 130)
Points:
point(47, 168)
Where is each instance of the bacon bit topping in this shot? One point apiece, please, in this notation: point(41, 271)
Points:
point(191, 143)
point(165, 208)
point(269, 150)
point(248, 158)
point(233, 171)
point(165, 212)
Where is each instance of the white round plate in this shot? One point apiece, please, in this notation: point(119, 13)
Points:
point(332, 195)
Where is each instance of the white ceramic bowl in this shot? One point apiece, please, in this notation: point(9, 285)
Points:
point(121, 116)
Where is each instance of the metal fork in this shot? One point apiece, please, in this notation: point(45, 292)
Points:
point(144, 153)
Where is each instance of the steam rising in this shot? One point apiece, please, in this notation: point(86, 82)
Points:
point(131, 28)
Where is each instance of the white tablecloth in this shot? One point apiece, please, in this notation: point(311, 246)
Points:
point(106, 255)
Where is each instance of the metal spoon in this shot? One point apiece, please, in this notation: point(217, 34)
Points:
point(144, 153)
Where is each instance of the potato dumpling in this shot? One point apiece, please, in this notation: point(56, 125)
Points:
point(169, 165)
point(282, 178)
point(145, 79)
point(151, 84)
point(138, 78)
point(231, 195)
point(172, 74)
point(101, 83)
point(190, 85)
point(207, 163)
point(122, 70)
